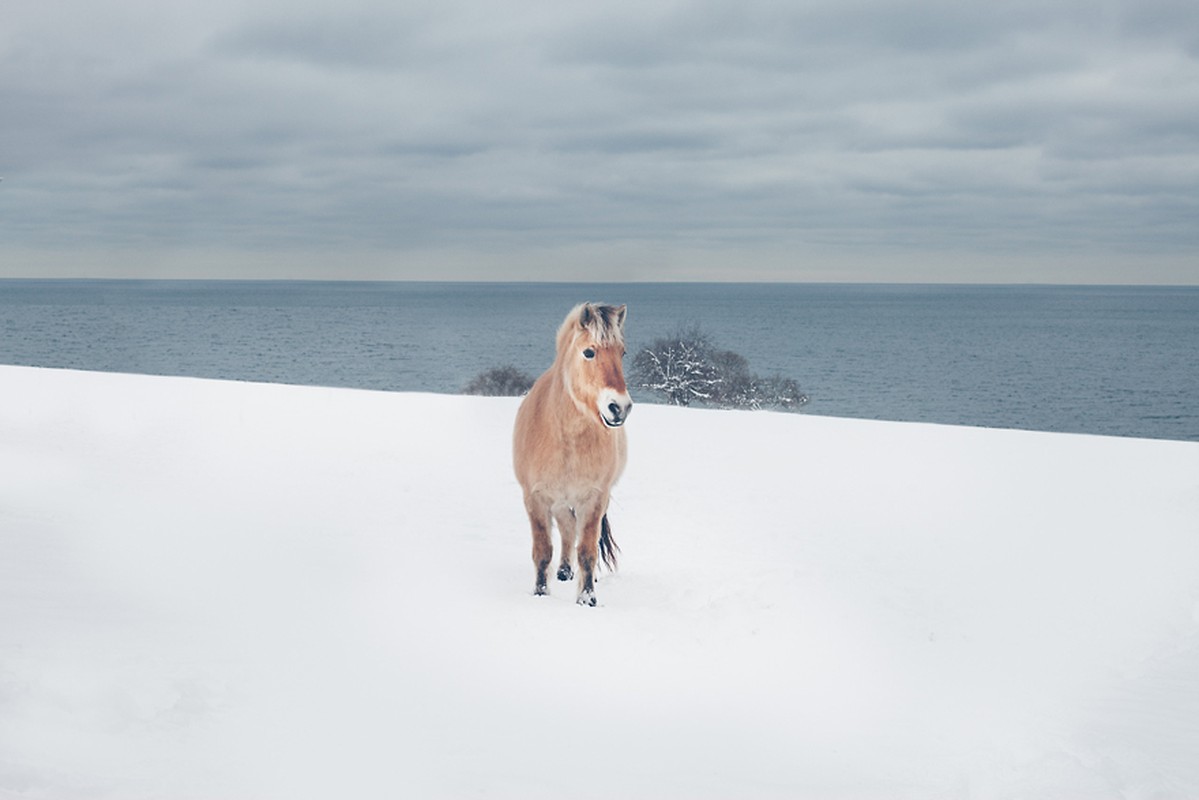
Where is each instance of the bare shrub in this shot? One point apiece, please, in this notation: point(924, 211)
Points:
point(505, 381)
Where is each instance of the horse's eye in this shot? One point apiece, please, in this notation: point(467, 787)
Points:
point(588, 354)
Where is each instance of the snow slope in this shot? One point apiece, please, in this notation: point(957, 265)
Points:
point(223, 590)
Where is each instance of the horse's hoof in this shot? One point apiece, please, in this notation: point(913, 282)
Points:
point(586, 599)
point(541, 591)
point(565, 573)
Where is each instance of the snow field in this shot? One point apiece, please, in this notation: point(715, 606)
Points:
point(223, 590)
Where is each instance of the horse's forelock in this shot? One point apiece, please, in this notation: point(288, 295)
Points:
point(603, 322)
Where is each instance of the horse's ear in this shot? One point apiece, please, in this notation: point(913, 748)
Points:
point(621, 313)
point(585, 316)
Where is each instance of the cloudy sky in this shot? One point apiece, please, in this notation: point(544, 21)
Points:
point(825, 140)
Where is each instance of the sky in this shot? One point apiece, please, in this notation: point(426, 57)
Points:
point(832, 140)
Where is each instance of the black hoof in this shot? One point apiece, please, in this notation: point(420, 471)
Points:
point(565, 573)
point(541, 591)
point(586, 599)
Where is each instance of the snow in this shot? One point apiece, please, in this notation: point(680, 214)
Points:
point(232, 590)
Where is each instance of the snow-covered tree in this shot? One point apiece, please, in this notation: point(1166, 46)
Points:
point(679, 367)
point(686, 368)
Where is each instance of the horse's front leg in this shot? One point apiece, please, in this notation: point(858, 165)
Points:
point(564, 515)
point(589, 517)
point(543, 545)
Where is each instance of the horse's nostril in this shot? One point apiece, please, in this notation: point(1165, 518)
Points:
point(616, 410)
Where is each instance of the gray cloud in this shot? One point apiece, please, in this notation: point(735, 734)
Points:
point(1054, 141)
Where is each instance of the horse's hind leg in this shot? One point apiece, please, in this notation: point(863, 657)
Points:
point(543, 544)
point(567, 529)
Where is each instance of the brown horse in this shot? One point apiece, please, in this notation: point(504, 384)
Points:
point(569, 446)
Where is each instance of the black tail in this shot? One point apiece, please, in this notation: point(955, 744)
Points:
point(607, 545)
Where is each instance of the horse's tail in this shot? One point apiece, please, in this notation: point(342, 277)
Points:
point(607, 545)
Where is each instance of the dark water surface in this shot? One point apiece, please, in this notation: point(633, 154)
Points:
point(1107, 360)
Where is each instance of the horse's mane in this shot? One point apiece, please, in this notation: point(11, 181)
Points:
point(605, 324)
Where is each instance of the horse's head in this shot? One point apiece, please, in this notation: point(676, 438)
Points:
point(590, 349)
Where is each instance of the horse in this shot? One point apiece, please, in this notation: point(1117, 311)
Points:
point(569, 446)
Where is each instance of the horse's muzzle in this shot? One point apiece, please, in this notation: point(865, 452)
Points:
point(615, 414)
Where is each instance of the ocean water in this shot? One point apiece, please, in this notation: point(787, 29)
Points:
point(1118, 361)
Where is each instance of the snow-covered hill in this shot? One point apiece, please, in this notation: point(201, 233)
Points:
point(223, 590)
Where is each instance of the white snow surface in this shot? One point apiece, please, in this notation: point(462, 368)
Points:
point(229, 590)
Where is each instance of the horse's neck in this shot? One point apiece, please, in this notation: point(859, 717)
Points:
point(572, 419)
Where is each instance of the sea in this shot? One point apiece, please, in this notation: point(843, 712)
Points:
point(1108, 360)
